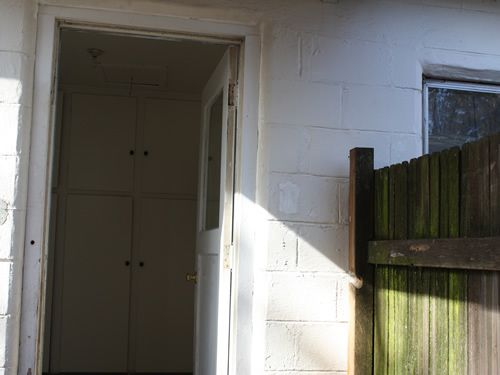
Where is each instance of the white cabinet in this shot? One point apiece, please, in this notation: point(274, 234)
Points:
point(171, 163)
point(102, 143)
point(125, 236)
point(96, 284)
point(166, 252)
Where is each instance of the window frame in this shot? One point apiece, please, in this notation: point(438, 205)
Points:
point(452, 85)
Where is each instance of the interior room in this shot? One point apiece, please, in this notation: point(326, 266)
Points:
point(124, 201)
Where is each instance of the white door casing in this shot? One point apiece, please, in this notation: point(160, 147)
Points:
point(50, 20)
point(215, 216)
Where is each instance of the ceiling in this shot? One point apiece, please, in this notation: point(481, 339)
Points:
point(136, 62)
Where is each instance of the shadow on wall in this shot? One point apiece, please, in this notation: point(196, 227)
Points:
point(312, 233)
point(306, 281)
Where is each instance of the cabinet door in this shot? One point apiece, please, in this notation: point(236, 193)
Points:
point(171, 141)
point(96, 284)
point(102, 141)
point(165, 298)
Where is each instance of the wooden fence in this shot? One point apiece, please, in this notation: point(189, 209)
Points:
point(431, 303)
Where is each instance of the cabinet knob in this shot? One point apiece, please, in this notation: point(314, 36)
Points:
point(146, 153)
point(193, 277)
point(131, 152)
point(141, 264)
point(127, 263)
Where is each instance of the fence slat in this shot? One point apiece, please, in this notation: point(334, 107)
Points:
point(494, 306)
point(438, 351)
point(400, 181)
point(418, 303)
point(412, 339)
point(495, 185)
point(476, 203)
point(444, 211)
point(438, 280)
point(457, 320)
point(398, 275)
point(381, 333)
point(382, 294)
point(392, 203)
point(457, 279)
point(388, 180)
point(454, 192)
point(423, 213)
point(412, 181)
point(382, 203)
point(401, 203)
point(434, 195)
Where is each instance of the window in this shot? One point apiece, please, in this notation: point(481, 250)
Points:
point(456, 113)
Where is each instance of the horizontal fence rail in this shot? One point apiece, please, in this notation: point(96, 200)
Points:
point(482, 253)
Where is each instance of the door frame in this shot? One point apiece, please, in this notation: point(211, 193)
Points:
point(50, 21)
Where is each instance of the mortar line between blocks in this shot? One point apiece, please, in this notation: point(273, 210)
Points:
point(320, 223)
point(333, 275)
point(306, 372)
point(308, 322)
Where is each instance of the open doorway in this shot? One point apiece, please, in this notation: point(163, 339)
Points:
point(124, 203)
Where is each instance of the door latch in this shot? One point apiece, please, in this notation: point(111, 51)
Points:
point(193, 277)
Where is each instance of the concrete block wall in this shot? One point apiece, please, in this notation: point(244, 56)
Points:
point(335, 74)
point(17, 37)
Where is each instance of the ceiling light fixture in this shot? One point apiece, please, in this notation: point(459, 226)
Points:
point(95, 53)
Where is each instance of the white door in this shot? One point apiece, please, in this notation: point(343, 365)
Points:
point(215, 201)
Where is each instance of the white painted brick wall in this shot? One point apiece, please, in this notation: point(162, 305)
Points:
point(15, 79)
point(304, 198)
point(307, 247)
point(330, 150)
point(295, 157)
point(10, 222)
point(321, 248)
point(305, 103)
point(335, 75)
point(349, 57)
point(404, 144)
point(9, 167)
point(299, 296)
point(12, 115)
point(282, 246)
point(306, 346)
point(285, 54)
point(322, 346)
point(395, 108)
point(17, 36)
point(344, 201)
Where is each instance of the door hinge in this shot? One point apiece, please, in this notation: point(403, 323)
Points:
point(232, 99)
point(228, 256)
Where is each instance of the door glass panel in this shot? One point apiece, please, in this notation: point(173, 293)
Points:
point(212, 164)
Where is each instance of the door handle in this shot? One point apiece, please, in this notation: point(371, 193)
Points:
point(193, 277)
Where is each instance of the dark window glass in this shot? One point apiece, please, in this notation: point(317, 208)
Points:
point(456, 117)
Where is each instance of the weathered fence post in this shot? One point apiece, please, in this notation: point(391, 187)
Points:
point(360, 357)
